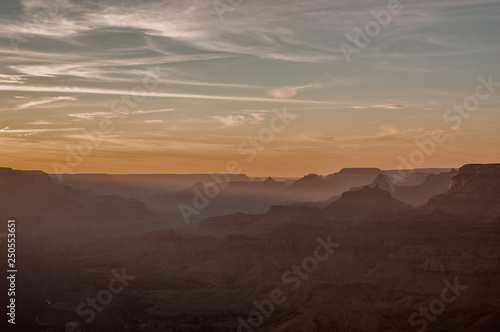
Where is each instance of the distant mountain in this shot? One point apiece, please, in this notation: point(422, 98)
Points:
point(412, 177)
point(311, 188)
point(419, 194)
point(265, 187)
point(368, 199)
point(367, 262)
point(347, 178)
point(354, 173)
point(310, 182)
point(382, 181)
point(31, 195)
point(112, 183)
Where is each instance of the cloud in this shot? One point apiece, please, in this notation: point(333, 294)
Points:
point(390, 106)
point(153, 121)
point(107, 115)
point(153, 111)
point(53, 70)
point(93, 115)
point(289, 91)
point(41, 122)
point(105, 70)
point(30, 132)
point(103, 48)
point(67, 89)
point(12, 78)
point(386, 132)
point(211, 84)
point(233, 120)
point(42, 101)
point(385, 106)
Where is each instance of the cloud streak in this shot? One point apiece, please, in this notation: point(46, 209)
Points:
point(60, 89)
point(43, 101)
point(289, 91)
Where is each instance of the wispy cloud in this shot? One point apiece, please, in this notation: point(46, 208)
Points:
point(93, 115)
point(42, 101)
point(384, 106)
point(42, 122)
point(12, 78)
point(107, 115)
point(233, 120)
point(289, 91)
point(265, 53)
point(390, 106)
point(153, 121)
point(139, 112)
point(59, 89)
point(386, 132)
point(30, 132)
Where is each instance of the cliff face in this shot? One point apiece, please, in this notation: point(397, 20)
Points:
point(8, 175)
point(30, 195)
point(475, 190)
point(476, 176)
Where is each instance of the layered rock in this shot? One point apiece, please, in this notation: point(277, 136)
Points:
point(474, 192)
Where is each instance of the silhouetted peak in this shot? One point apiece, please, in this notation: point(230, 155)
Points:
point(362, 170)
point(368, 191)
point(357, 176)
point(369, 198)
point(310, 178)
point(269, 180)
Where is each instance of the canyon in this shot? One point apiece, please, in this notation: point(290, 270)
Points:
point(395, 252)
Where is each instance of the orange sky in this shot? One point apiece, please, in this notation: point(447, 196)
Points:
point(179, 88)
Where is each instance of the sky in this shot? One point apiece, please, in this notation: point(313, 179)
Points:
point(186, 86)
